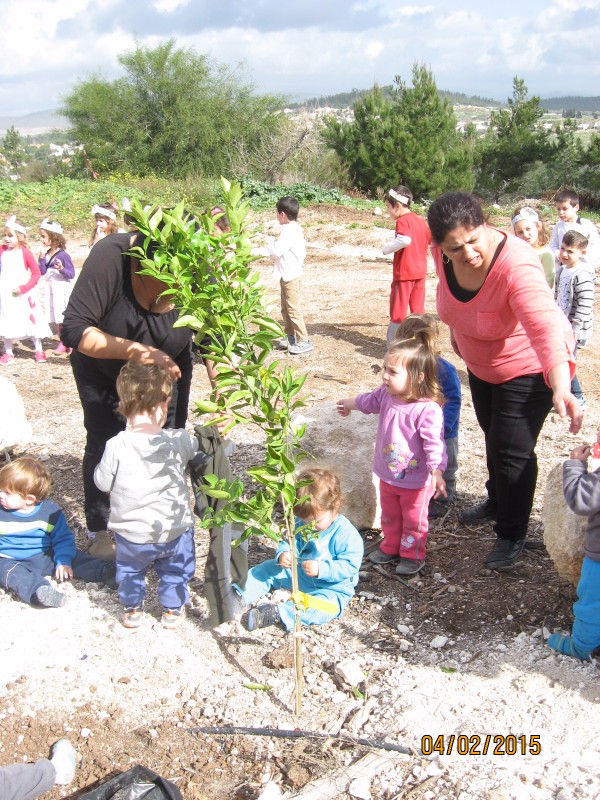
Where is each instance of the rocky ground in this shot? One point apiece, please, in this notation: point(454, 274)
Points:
point(456, 653)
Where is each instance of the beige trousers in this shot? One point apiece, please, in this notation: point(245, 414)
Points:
point(291, 298)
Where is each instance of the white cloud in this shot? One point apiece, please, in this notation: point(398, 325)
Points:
point(168, 6)
point(374, 49)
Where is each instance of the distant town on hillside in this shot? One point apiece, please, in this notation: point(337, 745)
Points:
point(42, 122)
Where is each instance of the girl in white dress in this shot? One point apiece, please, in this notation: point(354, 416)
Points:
point(55, 263)
point(20, 314)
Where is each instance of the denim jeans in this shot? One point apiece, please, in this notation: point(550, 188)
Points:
point(511, 416)
point(586, 627)
point(24, 577)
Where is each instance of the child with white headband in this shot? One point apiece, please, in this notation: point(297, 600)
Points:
point(21, 316)
point(58, 268)
point(106, 221)
point(409, 247)
point(528, 226)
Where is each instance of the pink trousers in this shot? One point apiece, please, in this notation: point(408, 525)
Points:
point(404, 520)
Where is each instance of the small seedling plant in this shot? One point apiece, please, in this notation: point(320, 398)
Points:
point(209, 276)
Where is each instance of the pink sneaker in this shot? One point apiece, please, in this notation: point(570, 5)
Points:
point(6, 359)
point(40, 357)
point(60, 349)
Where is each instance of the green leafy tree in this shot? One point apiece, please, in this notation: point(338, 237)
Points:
point(210, 279)
point(514, 142)
point(13, 148)
point(173, 113)
point(408, 136)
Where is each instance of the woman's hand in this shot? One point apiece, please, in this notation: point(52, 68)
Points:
point(565, 403)
point(97, 344)
point(143, 354)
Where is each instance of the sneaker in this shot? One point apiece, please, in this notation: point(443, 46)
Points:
point(263, 616)
point(564, 644)
point(484, 512)
point(64, 760)
point(409, 566)
point(40, 357)
point(172, 617)
point(504, 553)
point(132, 617)
point(60, 349)
point(283, 344)
point(103, 546)
point(6, 359)
point(300, 348)
point(379, 557)
point(47, 597)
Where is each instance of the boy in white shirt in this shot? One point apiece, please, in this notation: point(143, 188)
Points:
point(567, 207)
point(288, 253)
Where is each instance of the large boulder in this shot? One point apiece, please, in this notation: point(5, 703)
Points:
point(15, 429)
point(347, 445)
point(563, 530)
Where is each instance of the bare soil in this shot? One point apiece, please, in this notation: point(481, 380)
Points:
point(126, 698)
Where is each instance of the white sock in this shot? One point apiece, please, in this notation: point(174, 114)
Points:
point(8, 346)
point(37, 345)
point(64, 760)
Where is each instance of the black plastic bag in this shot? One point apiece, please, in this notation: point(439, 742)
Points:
point(138, 783)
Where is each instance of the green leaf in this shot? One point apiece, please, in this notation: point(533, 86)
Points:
point(262, 687)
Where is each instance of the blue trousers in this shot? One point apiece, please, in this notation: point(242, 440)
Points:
point(26, 781)
point(267, 576)
point(586, 627)
point(174, 562)
point(24, 577)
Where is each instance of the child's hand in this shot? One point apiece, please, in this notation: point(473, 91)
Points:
point(344, 407)
point(581, 453)
point(285, 560)
point(58, 264)
point(16, 292)
point(311, 568)
point(438, 484)
point(63, 573)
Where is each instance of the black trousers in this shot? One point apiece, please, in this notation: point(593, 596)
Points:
point(511, 416)
point(102, 421)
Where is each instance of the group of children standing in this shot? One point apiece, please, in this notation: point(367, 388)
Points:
point(21, 313)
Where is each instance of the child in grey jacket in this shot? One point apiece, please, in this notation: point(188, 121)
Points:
point(582, 493)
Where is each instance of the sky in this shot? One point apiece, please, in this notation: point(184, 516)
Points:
point(307, 48)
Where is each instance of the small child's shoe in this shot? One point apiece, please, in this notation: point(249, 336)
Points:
point(64, 761)
point(47, 597)
point(409, 566)
point(564, 644)
point(172, 617)
point(132, 617)
point(7, 358)
point(60, 349)
point(263, 616)
point(40, 357)
point(379, 557)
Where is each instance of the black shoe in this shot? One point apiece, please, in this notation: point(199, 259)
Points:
point(262, 616)
point(484, 512)
point(504, 553)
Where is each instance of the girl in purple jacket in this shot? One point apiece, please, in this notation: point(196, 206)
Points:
point(410, 455)
point(55, 263)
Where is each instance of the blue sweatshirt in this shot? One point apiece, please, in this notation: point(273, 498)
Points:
point(450, 386)
point(338, 549)
point(24, 534)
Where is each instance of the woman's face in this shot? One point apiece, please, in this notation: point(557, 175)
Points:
point(468, 246)
point(528, 231)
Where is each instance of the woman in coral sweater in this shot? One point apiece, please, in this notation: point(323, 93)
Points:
point(517, 347)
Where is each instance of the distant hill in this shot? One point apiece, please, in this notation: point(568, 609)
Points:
point(35, 123)
point(574, 103)
point(346, 99)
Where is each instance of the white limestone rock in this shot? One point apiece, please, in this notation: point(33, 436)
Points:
point(563, 530)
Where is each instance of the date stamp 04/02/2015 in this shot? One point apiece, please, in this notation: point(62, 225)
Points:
point(476, 745)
